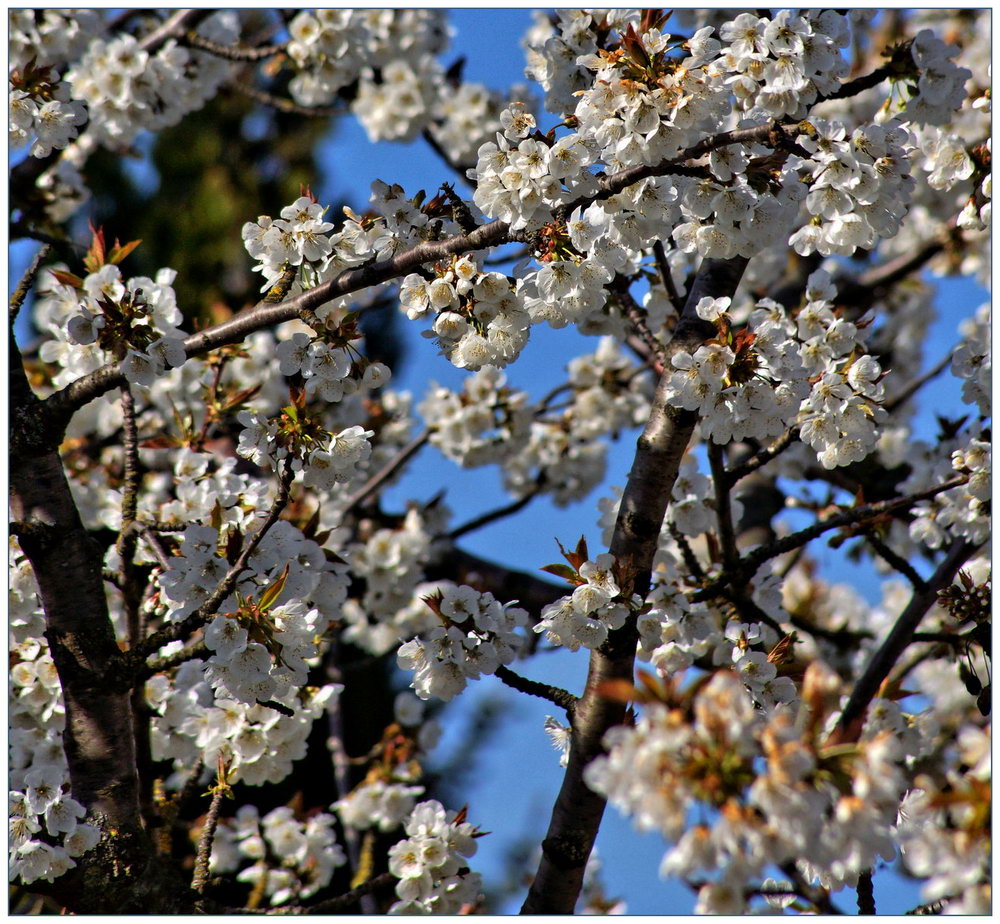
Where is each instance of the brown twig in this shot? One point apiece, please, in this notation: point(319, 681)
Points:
point(749, 565)
point(663, 265)
point(882, 662)
point(283, 104)
point(387, 471)
point(172, 27)
point(232, 52)
point(26, 282)
point(562, 698)
point(200, 879)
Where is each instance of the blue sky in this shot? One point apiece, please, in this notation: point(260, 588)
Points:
point(517, 775)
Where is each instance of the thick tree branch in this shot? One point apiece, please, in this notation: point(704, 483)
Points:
point(660, 448)
point(98, 739)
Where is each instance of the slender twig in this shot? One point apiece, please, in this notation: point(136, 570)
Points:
point(172, 27)
point(690, 559)
point(197, 651)
point(340, 759)
point(941, 638)
point(913, 387)
point(761, 458)
point(931, 652)
point(663, 265)
point(723, 511)
point(200, 878)
point(232, 52)
point(757, 557)
point(282, 104)
point(562, 698)
point(387, 471)
point(750, 611)
point(27, 281)
point(122, 671)
point(637, 319)
point(130, 476)
point(152, 540)
point(437, 148)
point(859, 84)
point(498, 513)
point(843, 638)
point(158, 526)
point(19, 230)
point(896, 642)
point(895, 560)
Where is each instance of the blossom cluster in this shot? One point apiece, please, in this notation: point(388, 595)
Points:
point(475, 635)
point(552, 447)
point(391, 564)
point(431, 863)
point(291, 858)
point(134, 321)
point(479, 320)
point(962, 511)
point(46, 118)
point(943, 830)
point(595, 607)
point(193, 722)
point(859, 187)
point(756, 383)
point(832, 826)
point(127, 89)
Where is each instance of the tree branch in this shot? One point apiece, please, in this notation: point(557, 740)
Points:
point(749, 565)
point(383, 475)
point(173, 27)
point(26, 282)
point(577, 813)
point(850, 721)
point(232, 52)
point(562, 698)
point(498, 513)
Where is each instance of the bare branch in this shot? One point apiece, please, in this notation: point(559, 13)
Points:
point(200, 879)
point(394, 465)
point(232, 52)
point(883, 661)
point(173, 27)
point(662, 264)
point(749, 565)
point(27, 281)
point(562, 698)
point(499, 513)
point(282, 104)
